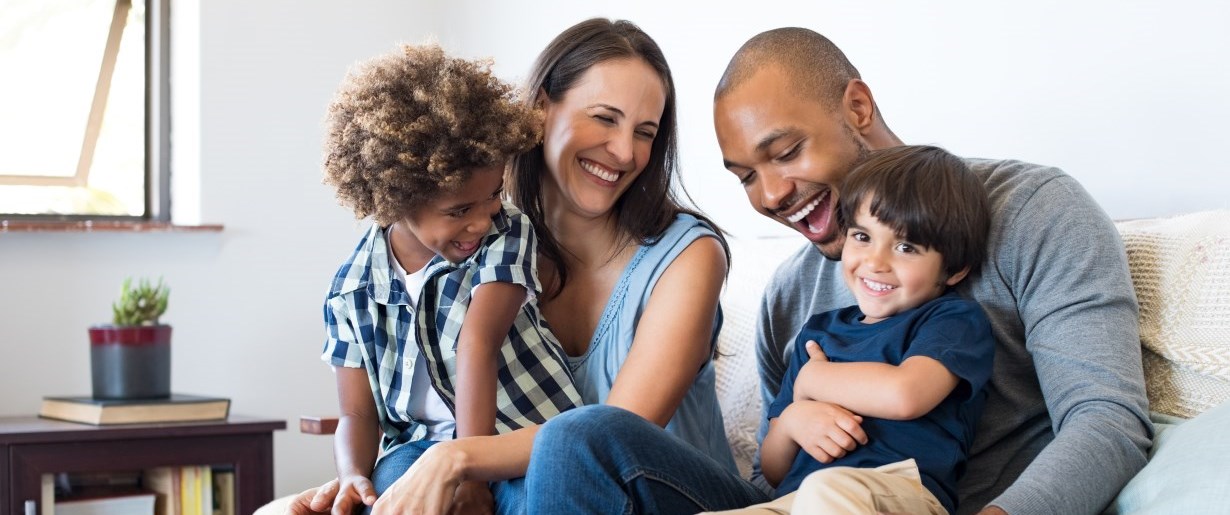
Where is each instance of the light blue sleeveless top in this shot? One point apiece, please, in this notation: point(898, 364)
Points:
point(698, 420)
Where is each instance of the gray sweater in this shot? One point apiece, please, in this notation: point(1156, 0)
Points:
point(1066, 423)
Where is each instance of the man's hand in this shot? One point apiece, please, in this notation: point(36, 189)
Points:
point(823, 430)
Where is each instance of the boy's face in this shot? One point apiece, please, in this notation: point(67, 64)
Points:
point(887, 274)
point(453, 224)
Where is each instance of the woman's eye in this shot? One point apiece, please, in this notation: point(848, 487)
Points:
point(604, 118)
point(647, 134)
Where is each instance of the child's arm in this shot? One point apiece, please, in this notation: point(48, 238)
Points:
point(894, 392)
point(493, 309)
point(825, 431)
point(356, 441)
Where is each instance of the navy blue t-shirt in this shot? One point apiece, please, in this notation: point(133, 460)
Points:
point(948, 329)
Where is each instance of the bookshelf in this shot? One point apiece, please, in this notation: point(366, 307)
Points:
point(32, 446)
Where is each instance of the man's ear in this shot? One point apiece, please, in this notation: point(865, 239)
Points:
point(859, 106)
point(956, 278)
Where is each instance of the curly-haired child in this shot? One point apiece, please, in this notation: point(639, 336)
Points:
point(433, 329)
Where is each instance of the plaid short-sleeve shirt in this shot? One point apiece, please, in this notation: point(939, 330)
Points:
point(368, 318)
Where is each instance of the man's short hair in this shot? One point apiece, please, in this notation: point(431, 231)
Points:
point(928, 197)
point(818, 68)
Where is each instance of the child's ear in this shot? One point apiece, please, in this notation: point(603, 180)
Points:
point(956, 278)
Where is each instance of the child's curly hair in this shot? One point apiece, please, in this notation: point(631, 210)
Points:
point(411, 124)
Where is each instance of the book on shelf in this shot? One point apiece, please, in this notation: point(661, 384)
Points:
point(176, 408)
point(133, 503)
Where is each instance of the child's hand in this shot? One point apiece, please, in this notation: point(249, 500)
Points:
point(815, 353)
point(817, 358)
point(823, 430)
point(473, 497)
point(354, 490)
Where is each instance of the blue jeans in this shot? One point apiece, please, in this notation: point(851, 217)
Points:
point(603, 459)
point(509, 495)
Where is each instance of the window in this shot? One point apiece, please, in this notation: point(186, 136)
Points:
point(83, 109)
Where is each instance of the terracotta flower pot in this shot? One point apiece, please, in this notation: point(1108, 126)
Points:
point(130, 362)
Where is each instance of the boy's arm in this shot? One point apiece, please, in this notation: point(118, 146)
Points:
point(777, 453)
point(893, 392)
point(492, 311)
point(823, 430)
point(355, 443)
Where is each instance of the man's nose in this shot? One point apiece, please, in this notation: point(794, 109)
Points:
point(777, 192)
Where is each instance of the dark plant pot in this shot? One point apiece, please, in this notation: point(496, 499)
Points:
point(130, 362)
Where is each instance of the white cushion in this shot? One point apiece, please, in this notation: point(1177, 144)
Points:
point(1181, 271)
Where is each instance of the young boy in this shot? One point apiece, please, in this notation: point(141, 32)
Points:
point(878, 408)
point(432, 326)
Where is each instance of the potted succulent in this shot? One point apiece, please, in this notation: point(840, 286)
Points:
point(131, 357)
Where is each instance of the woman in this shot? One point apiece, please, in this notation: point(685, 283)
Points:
point(632, 277)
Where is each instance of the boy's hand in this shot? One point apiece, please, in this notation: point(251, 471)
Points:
point(473, 497)
point(815, 356)
point(815, 353)
point(354, 490)
point(823, 430)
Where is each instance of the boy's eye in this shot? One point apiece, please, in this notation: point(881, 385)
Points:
point(906, 248)
point(497, 193)
point(460, 213)
point(746, 178)
point(860, 236)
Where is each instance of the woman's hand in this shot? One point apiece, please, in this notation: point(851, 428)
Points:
point(315, 500)
point(429, 486)
point(473, 498)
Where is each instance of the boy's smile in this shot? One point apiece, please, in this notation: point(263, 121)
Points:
point(453, 224)
point(887, 274)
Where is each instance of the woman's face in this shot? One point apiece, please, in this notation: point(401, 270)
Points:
point(599, 135)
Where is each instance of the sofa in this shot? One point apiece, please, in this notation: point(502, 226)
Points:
point(1180, 267)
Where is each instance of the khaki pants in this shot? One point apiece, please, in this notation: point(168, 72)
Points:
point(892, 488)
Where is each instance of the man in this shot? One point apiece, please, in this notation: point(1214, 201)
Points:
point(1066, 422)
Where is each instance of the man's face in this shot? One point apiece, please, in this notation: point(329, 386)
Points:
point(790, 152)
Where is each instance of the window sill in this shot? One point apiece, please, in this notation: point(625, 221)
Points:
point(101, 226)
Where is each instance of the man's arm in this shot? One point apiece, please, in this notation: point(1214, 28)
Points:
point(1066, 266)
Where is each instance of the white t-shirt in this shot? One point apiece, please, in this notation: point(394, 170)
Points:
point(426, 406)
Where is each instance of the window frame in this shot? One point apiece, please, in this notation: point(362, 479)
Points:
point(157, 150)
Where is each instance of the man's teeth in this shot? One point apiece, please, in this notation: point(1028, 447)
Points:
point(878, 286)
point(599, 173)
point(798, 215)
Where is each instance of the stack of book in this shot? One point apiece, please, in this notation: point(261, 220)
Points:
point(192, 490)
point(176, 408)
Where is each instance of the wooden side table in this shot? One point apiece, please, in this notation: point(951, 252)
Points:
point(32, 446)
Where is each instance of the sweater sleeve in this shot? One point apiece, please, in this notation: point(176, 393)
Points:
point(1066, 264)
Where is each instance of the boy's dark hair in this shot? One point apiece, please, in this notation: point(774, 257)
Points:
point(927, 196)
point(409, 125)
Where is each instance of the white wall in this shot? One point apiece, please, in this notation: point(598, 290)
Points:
point(1129, 97)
